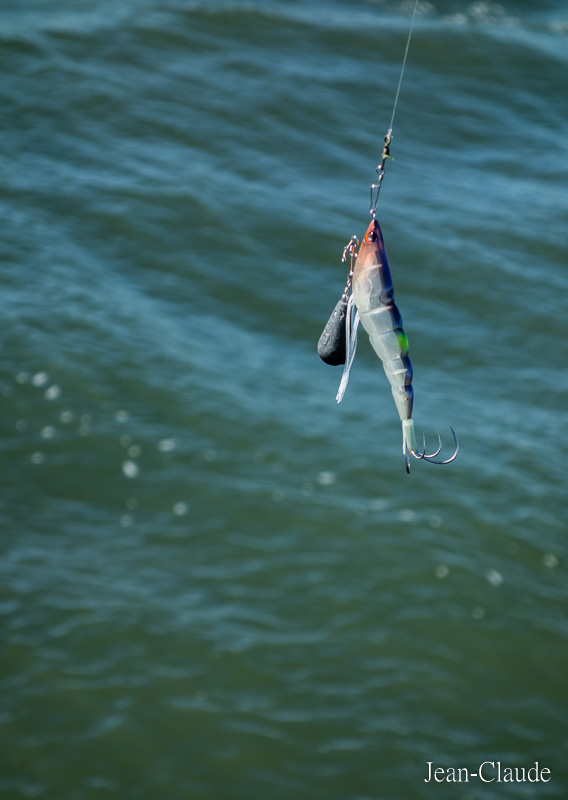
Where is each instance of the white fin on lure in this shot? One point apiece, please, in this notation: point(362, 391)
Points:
point(352, 320)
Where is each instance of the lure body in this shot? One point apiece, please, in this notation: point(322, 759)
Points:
point(373, 293)
point(371, 303)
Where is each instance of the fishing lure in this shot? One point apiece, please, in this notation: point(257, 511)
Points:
point(368, 299)
point(372, 304)
point(373, 296)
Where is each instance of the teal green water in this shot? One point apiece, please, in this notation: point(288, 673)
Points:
point(215, 581)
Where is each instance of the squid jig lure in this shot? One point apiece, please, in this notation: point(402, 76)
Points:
point(368, 299)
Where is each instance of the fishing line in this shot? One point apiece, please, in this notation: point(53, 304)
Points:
point(403, 64)
point(380, 170)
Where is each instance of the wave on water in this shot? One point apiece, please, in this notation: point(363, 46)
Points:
point(365, 16)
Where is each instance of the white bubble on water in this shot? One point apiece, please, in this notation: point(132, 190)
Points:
point(495, 578)
point(478, 612)
point(550, 560)
point(40, 379)
point(130, 469)
point(167, 445)
point(66, 416)
point(180, 509)
point(407, 515)
point(48, 432)
point(122, 416)
point(53, 392)
point(442, 571)
point(325, 478)
point(37, 457)
point(126, 520)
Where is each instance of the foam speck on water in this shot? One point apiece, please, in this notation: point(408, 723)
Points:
point(495, 578)
point(40, 379)
point(130, 469)
point(325, 478)
point(167, 445)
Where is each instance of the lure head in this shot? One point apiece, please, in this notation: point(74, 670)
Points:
point(372, 282)
point(373, 233)
point(372, 250)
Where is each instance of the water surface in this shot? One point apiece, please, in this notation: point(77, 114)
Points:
point(216, 582)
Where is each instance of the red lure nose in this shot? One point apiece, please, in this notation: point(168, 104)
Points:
point(371, 233)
